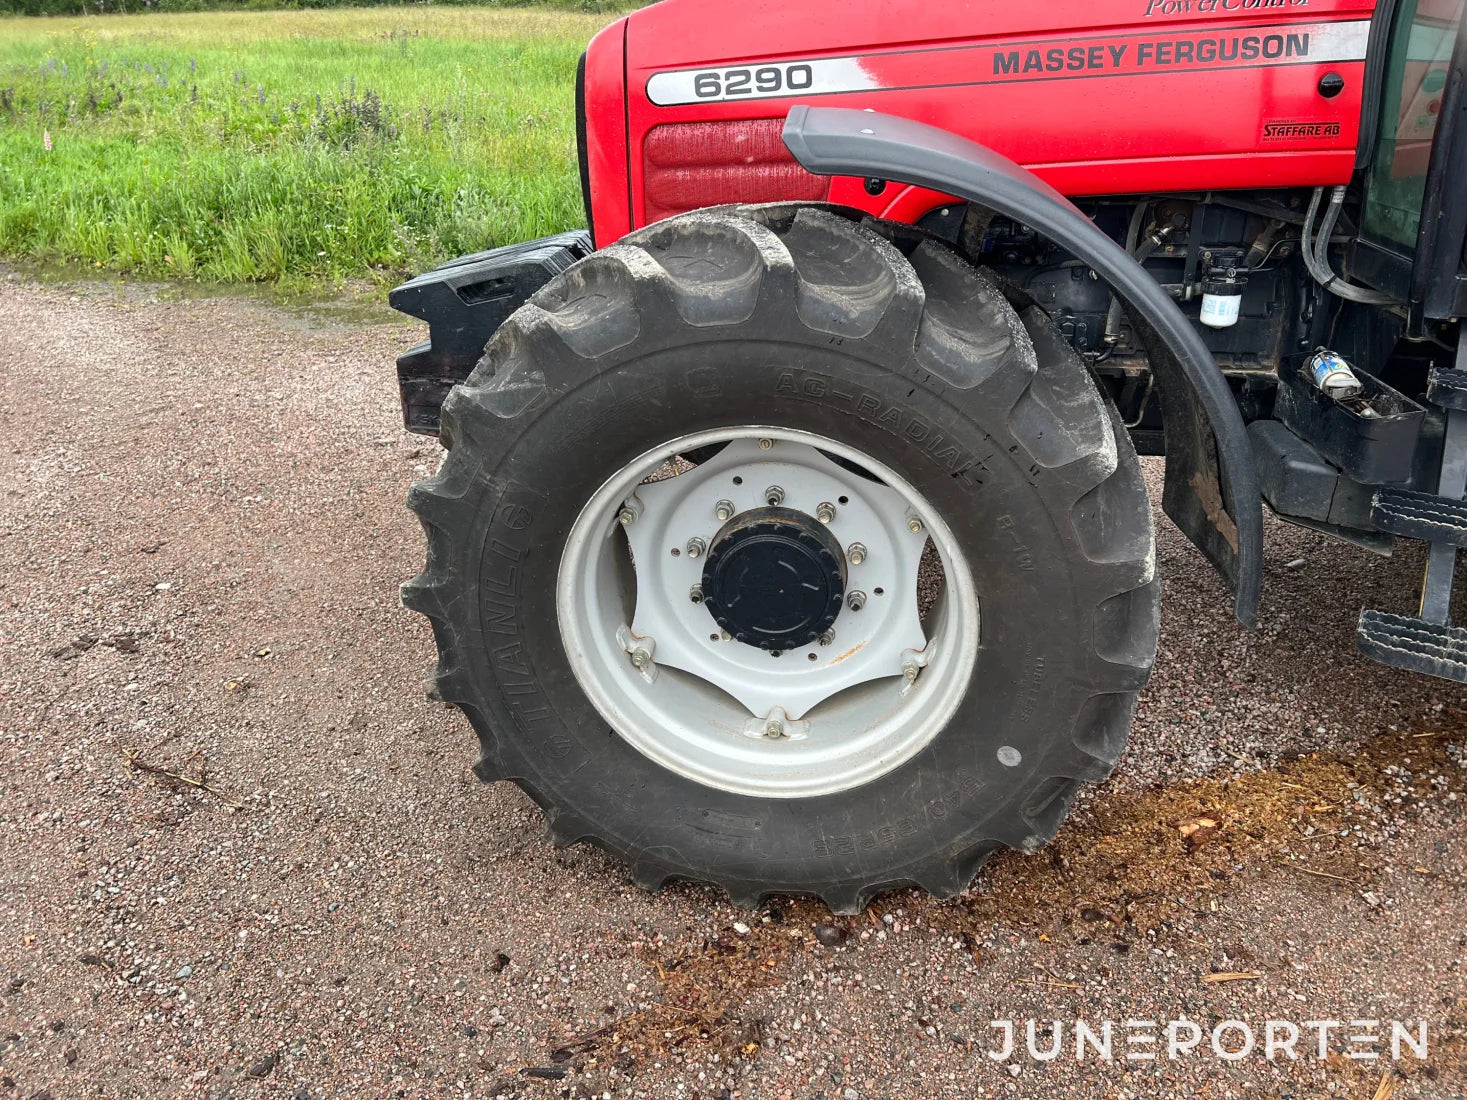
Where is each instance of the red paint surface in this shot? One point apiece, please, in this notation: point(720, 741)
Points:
point(1130, 117)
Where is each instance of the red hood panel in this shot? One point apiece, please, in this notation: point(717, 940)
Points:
point(1097, 96)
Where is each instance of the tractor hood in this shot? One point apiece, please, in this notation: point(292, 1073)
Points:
point(1095, 96)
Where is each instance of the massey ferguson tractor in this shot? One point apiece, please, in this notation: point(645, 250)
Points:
point(791, 535)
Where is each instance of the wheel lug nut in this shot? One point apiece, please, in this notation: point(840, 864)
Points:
point(856, 553)
point(696, 546)
point(724, 509)
point(856, 600)
point(626, 517)
point(641, 658)
point(827, 637)
point(696, 593)
point(773, 495)
point(825, 511)
point(774, 728)
point(765, 444)
point(914, 525)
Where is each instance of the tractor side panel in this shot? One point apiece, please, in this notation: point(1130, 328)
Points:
point(603, 133)
point(1095, 96)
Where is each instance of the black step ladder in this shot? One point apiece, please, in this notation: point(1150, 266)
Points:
point(1429, 643)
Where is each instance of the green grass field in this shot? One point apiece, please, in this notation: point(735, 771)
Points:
point(287, 146)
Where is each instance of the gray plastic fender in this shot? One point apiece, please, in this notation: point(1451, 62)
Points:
point(1212, 491)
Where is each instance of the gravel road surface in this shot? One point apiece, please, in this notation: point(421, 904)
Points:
point(241, 854)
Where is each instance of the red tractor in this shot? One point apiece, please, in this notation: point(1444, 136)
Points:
point(791, 535)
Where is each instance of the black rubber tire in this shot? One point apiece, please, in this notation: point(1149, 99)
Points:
point(861, 331)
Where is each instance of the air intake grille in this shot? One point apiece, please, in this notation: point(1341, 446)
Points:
point(687, 165)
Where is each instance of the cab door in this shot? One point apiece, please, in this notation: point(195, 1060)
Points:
point(1413, 227)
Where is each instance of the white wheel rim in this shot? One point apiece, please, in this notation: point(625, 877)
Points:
point(811, 721)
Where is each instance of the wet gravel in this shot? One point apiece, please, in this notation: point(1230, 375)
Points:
point(243, 855)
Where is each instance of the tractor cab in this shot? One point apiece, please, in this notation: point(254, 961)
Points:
point(1413, 151)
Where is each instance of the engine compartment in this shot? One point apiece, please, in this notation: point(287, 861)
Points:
point(1245, 241)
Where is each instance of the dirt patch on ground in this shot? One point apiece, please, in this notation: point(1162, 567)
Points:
point(1138, 862)
point(1135, 867)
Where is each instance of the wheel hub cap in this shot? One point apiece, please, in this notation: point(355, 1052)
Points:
point(769, 548)
point(774, 578)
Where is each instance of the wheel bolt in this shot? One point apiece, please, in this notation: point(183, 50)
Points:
point(724, 509)
point(696, 593)
point(827, 637)
point(774, 728)
point(773, 495)
point(696, 546)
point(641, 658)
point(765, 444)
point(914, 525)
point(910, 671)
point(856, 600)
point(626, 517)
point(825, 511)
point(856, 553)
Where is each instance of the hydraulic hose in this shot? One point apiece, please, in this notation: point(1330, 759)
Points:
point(1133, 238)
point(1316, 253)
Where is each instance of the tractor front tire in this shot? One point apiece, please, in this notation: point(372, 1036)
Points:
point(850, 357)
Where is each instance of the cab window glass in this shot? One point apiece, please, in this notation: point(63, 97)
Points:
point(1416, 75)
